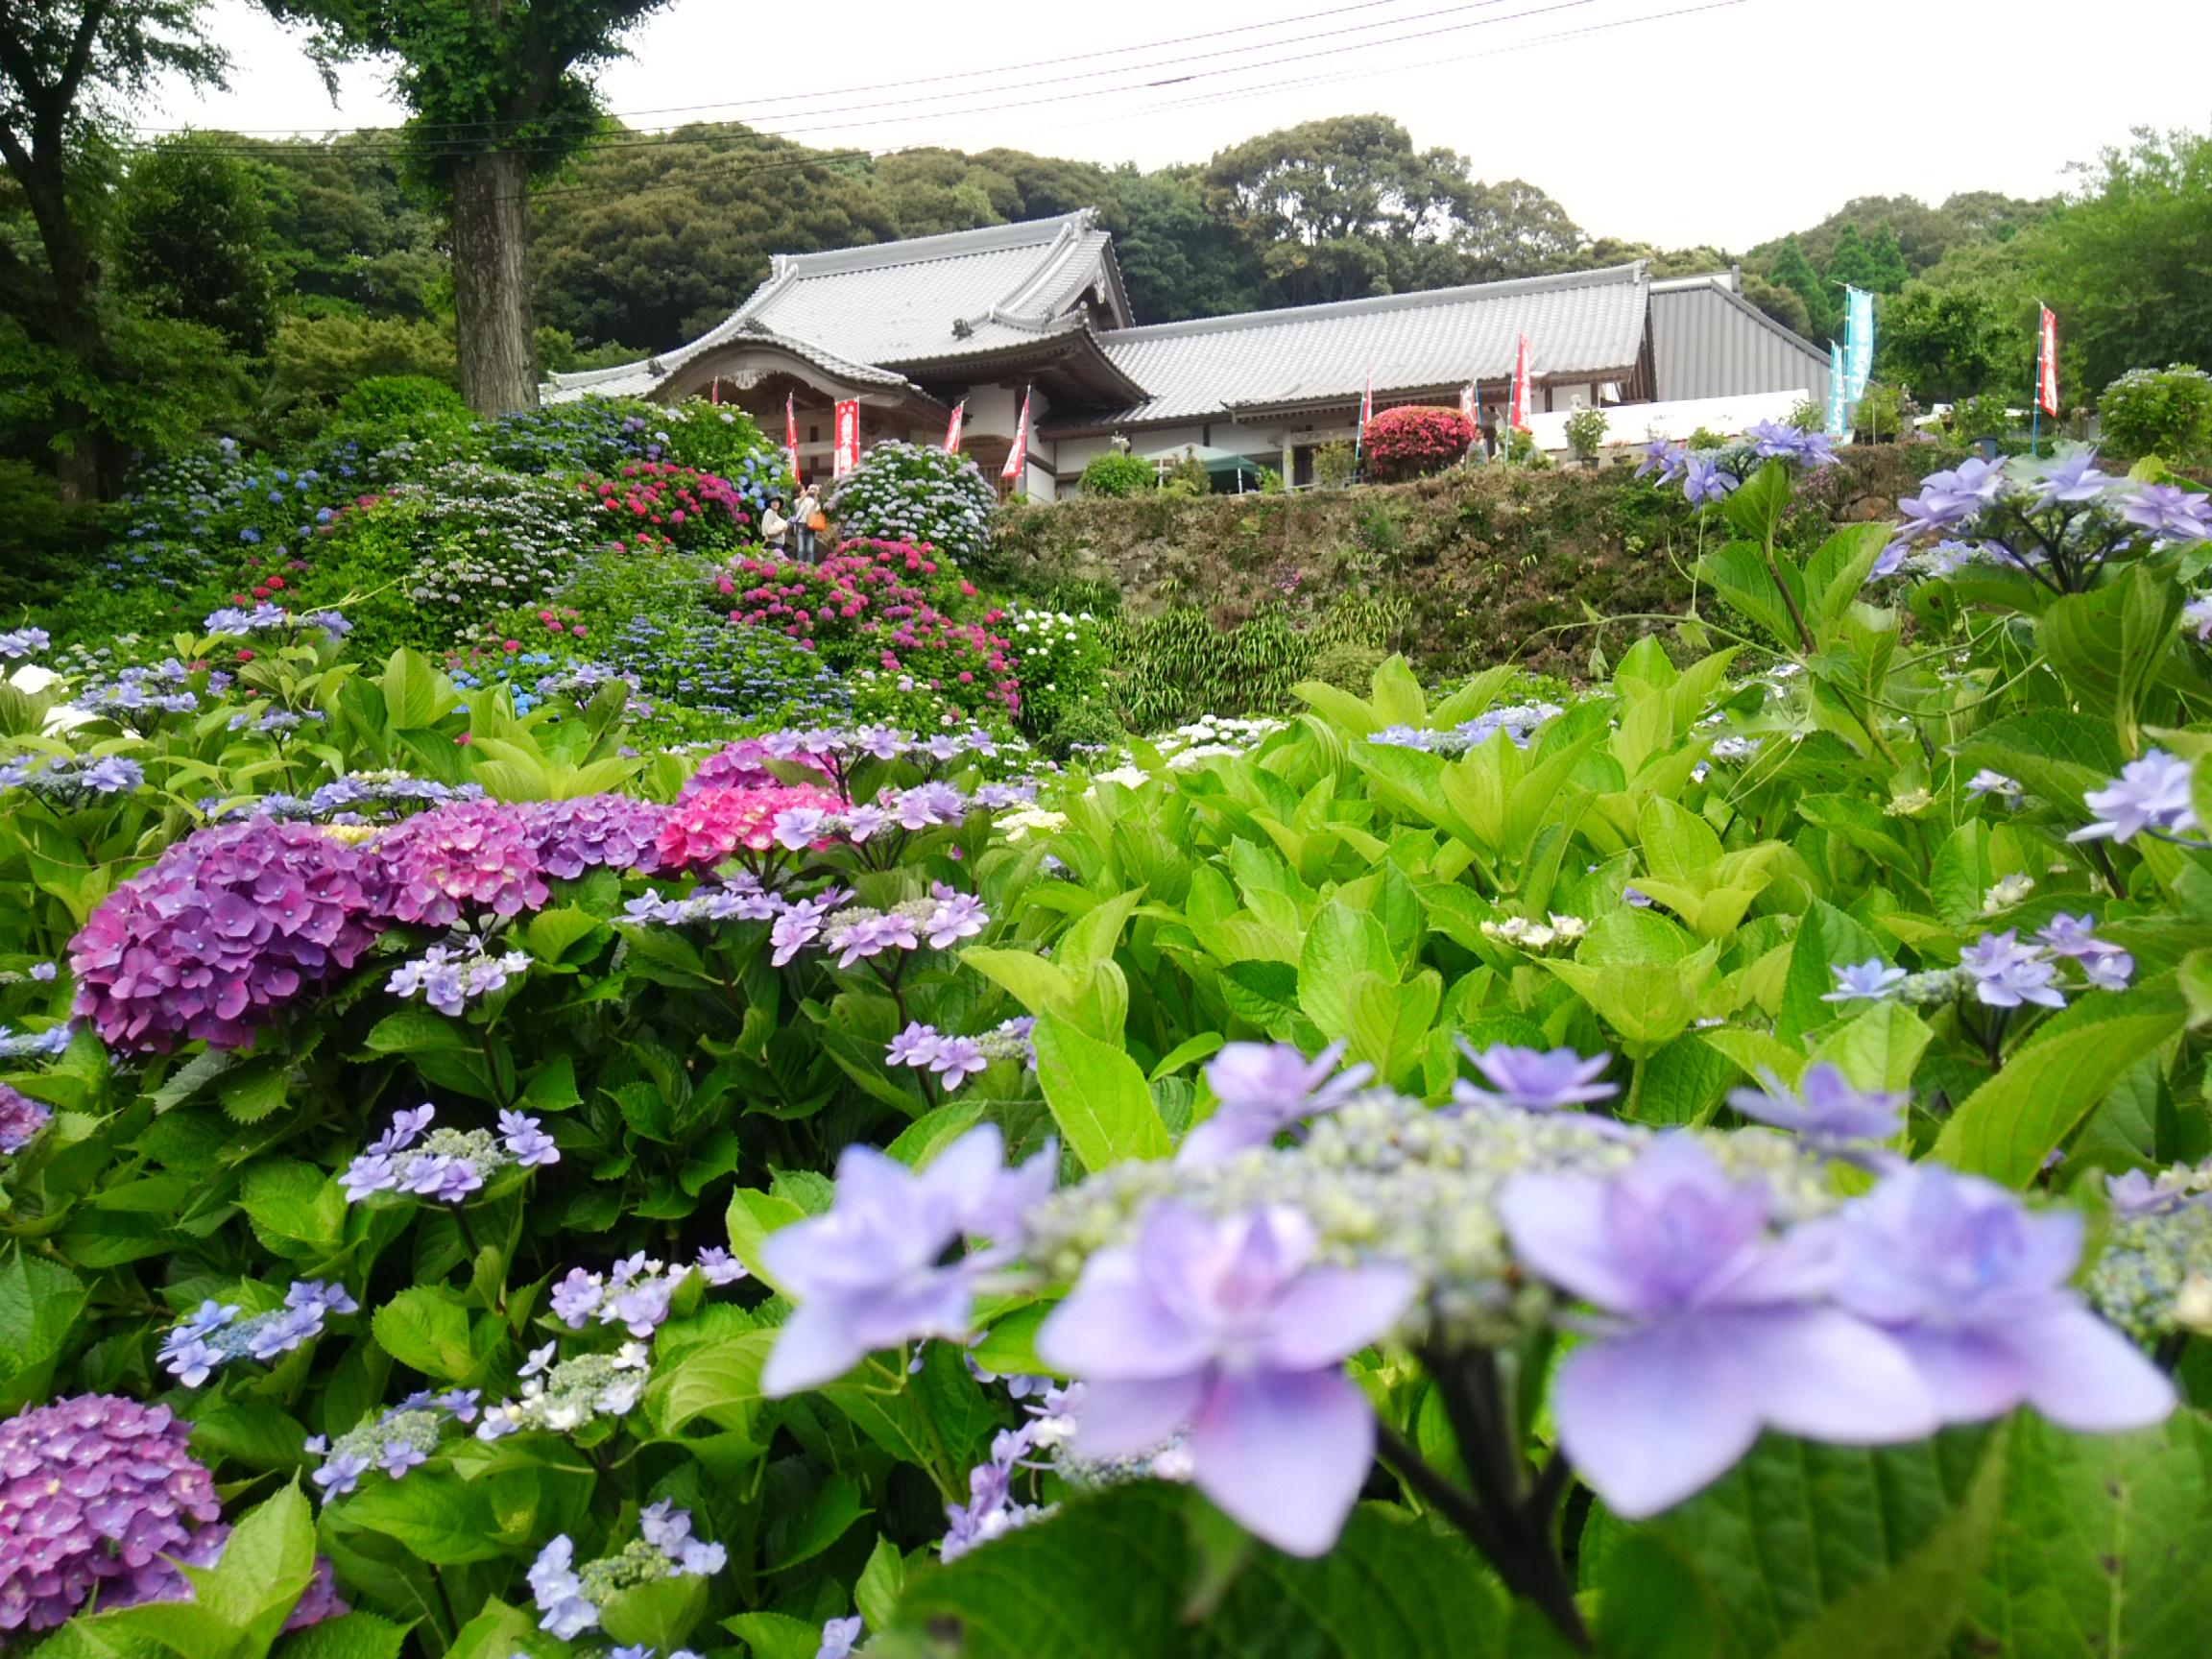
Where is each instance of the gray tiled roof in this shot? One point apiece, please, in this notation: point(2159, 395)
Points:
point(1580, 323)
point(929, 299)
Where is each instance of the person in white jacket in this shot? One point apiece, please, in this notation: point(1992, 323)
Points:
point(774, 526)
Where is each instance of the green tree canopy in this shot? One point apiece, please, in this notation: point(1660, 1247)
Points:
point(191, 240)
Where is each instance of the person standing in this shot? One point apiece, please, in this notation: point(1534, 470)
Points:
point(807, 521)
point(774, 526)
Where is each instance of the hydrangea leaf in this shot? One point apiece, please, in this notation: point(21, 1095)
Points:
point(1098, 1096)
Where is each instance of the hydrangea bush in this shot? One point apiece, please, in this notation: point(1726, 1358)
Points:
point(903, 491)
point(1711, 1162)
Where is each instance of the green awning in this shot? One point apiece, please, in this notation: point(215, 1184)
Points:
point(1215, 461)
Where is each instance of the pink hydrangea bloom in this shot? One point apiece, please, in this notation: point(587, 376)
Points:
point(469, 854)
point(715, 824)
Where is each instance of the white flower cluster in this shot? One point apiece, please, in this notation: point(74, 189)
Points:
point(1536, 937)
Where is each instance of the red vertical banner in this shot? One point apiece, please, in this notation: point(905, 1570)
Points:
point(847, 454)
point(1519, 417)
point(2046, 363)
point(1018, 457)
point(791, 435)
point(953, 425)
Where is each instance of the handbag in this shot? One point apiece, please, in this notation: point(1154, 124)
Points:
point(817, 521)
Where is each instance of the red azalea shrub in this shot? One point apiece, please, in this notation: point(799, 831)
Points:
point(889, 605)
point(655, 506)
point(1414, 442)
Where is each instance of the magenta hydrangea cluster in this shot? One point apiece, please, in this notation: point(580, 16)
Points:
point(596, 831)
point(225, 927)
point(21, 1118)
point(94, 1490)
point(464, 858)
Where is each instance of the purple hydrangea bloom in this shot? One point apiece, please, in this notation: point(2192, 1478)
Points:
point(1973, 1287)
point(1718, 1329)
point(2075, 936)
point(1704, 483)
point(1229, 1330)
point(958, 916)
point(595, 832)
point(870, 1273)
point(2151, 793)
point(94, 1490)
point(837, 1638)
point(1857, 981)
point(1534, 1080)
point(2170, 512)
point(2070, 479)
point(2006, 974)
point(526, 1142)
point(560, 1593)
point(226, 926)
point(21, 1118)
point(1662, 463)
point(1825, 1108)
point(916, 1046)
point(2109, 970)
point(1263, 1089)
point(2135, 1193)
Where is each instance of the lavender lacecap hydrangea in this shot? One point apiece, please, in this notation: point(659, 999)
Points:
point(94, 1490)
point(227, 926)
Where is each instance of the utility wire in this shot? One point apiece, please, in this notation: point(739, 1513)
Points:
point(893, 86)
point(863, 119)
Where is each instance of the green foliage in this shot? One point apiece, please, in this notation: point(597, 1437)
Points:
point(1335, 464)
point(1984, 416)
point(1880, 412)
point(1116, 472)
point(1964, 328)
point(406, 404)
point(191, 241)
point(319, 359)
point(44, 541)
point(2167, 413)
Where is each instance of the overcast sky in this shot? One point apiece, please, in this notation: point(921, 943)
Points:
point(1676, 122)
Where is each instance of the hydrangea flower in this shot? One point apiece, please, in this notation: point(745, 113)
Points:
point(1824, 1109)
point(215, 1333)
point(462, 858)
point(569, 1596)
point(21, 1118)
point(595, 832)
point(2151, 794)
point(991, 1512)
point(448, 979)
point(838, 1636)
point(1263, 1089)
point(19, 643)
point(396, 1440)
point(1715, 1330)
point(28, 1044)
point(94, 1491)
point(228, 926)
point(636, 1292)
point(75, 782)
point(1974, 1289)
point(1870, 980)
point(1706, 483)
point(557, 1397)
point(1230, 1330)
point(445, 1166)
point(1534, 1080)
point(870, 1274)
point(2006, 974)
point(705, 828)
point(954, 1060)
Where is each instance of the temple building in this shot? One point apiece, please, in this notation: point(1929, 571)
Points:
point(911, 328)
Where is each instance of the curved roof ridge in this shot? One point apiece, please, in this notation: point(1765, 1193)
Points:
point(945, 245)
point(1415, 299)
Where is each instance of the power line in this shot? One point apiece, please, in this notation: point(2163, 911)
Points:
point(703, 168)
point(891, 87)
point(848, 121)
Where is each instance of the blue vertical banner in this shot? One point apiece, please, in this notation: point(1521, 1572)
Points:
point(1859, 340)
point(1838, 371)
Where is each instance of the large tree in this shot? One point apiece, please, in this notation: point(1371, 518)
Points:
point(68, 70)
point(500, 92)
point(191, 240)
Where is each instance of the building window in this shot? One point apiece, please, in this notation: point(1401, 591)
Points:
point(813, 434)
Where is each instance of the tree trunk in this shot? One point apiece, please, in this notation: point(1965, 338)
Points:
point(492, 283)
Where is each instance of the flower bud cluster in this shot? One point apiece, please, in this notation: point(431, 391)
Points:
point(75, 782)
point(2154, 1276)
point(400, 1438)
point(1387, 1179)
point(569, 1597)
point(1560, 932)
point(560, 1397)
point(940, 920)
point(956, 1059)
point(1518, 721)
point(636, 1292)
